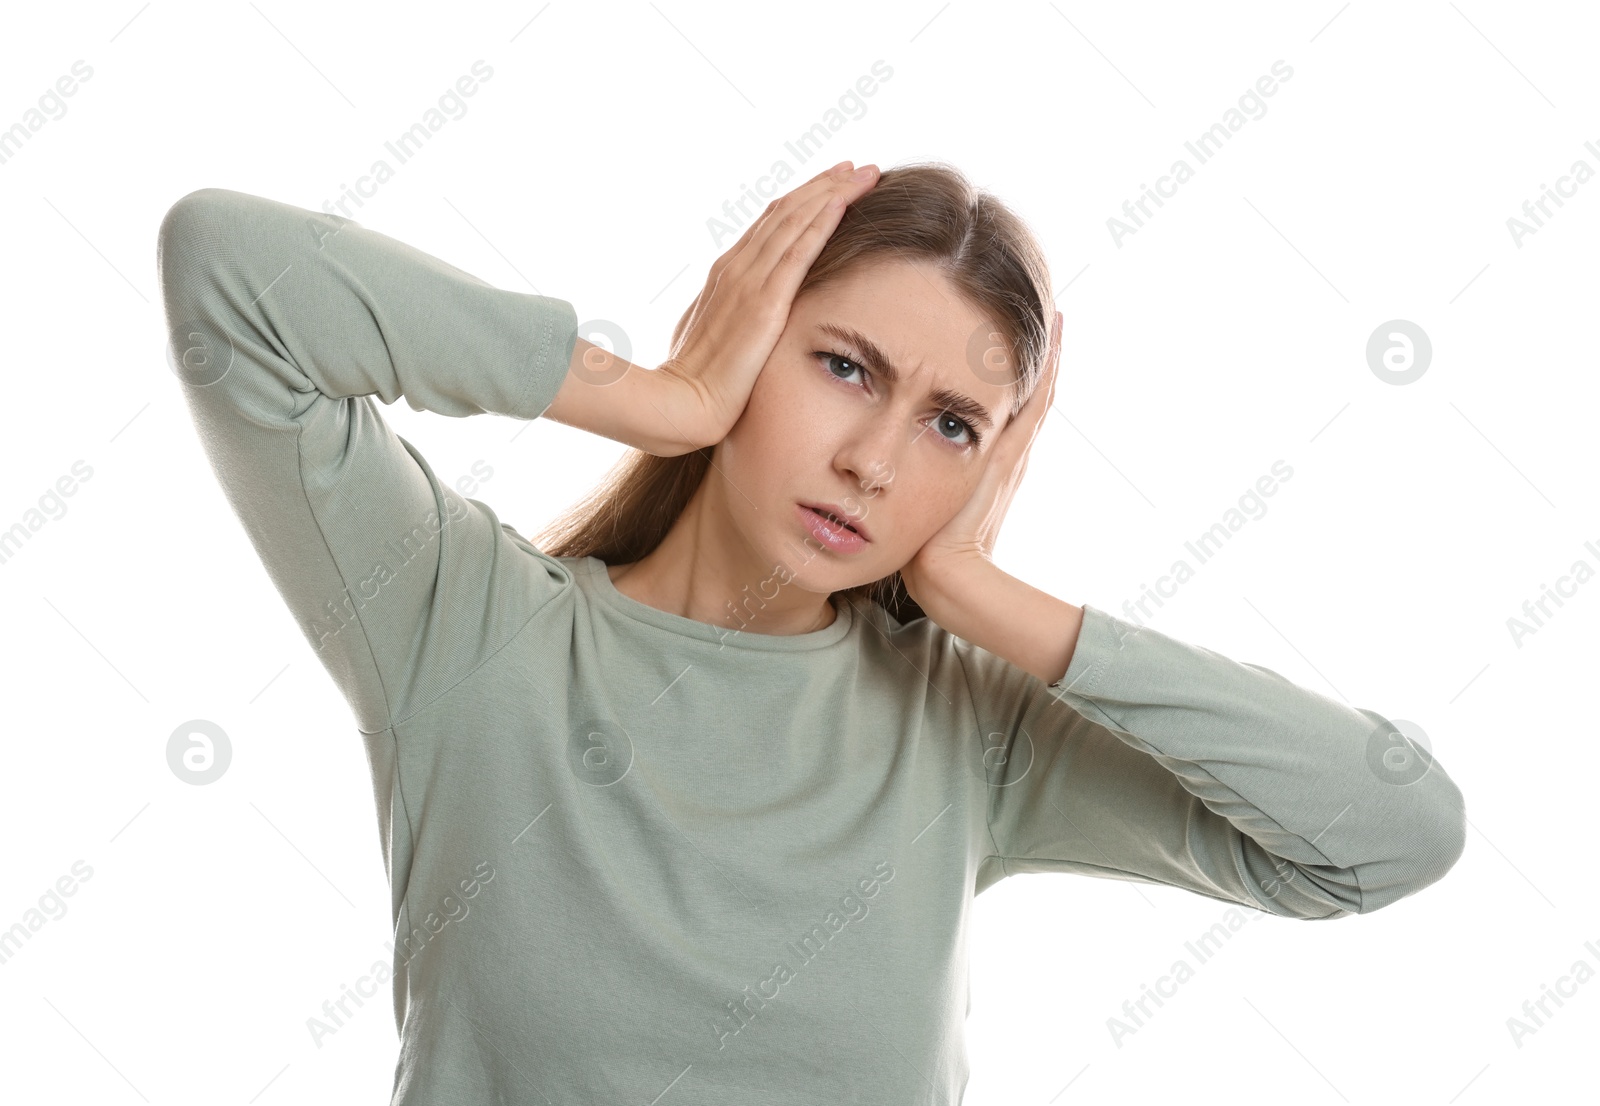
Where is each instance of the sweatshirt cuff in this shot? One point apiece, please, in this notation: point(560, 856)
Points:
point(552, 336)
point(1100, 640)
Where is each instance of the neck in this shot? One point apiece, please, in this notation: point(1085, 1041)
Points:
point(704, 571)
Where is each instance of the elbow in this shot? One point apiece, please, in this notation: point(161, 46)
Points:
point(196, 276)
point(1421, 849)
point(1434, 842)
point(189, 230)
point(1450, 840)
point(188, 218)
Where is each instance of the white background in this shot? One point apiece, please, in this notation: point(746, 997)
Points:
point(1227, 334)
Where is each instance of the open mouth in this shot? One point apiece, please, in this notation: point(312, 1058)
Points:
point(833, 518)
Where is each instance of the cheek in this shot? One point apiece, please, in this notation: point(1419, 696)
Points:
point(919, 504)
point(783, 422)
point(756, 424)
point(941, 493)
point(769, 449)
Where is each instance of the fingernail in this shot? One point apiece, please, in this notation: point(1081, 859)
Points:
point(863, 173)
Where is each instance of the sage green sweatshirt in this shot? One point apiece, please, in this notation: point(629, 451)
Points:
point(637, 858)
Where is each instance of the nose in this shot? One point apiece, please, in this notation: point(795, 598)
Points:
point(869, 452)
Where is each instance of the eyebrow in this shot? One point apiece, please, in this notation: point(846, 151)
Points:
point(878, 362)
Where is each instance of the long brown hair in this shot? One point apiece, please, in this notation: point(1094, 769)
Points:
point(927, 211)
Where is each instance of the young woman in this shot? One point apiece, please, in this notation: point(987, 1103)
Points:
point(689, 803)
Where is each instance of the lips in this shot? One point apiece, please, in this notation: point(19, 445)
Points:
point(840, 516)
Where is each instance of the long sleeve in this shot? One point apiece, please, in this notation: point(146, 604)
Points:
point(284, 322)
point(1155, 760)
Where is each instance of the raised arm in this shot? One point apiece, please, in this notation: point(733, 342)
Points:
point(284, 324)
point(1156, 760)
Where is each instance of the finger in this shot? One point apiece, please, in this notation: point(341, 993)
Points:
point(762, 224)
point(780, 206)
point(1049, 396)
point(846, 164)
point(785, 260)
point(788, 220)
point(1047, 379)
point(795, 243)
point(810, 186)
point(721, 263)
point(1030, 419)
point(1009, 461)
point(1032, 414)
point(1055, 355)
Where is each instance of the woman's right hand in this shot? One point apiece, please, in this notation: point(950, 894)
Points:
point(723, 341)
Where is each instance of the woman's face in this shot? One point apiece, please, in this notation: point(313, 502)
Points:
point(825, 424)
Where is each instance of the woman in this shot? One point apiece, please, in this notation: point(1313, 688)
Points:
point(689, 803)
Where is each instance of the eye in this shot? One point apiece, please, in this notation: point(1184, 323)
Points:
point(829, 357)
point(960, 424)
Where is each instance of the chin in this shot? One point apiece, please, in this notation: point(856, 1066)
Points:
point(808, 569)
point(826, 579)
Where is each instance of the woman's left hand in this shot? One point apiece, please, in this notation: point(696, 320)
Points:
point(965, 543)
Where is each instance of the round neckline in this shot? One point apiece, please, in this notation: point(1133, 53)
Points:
point(600, 587)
